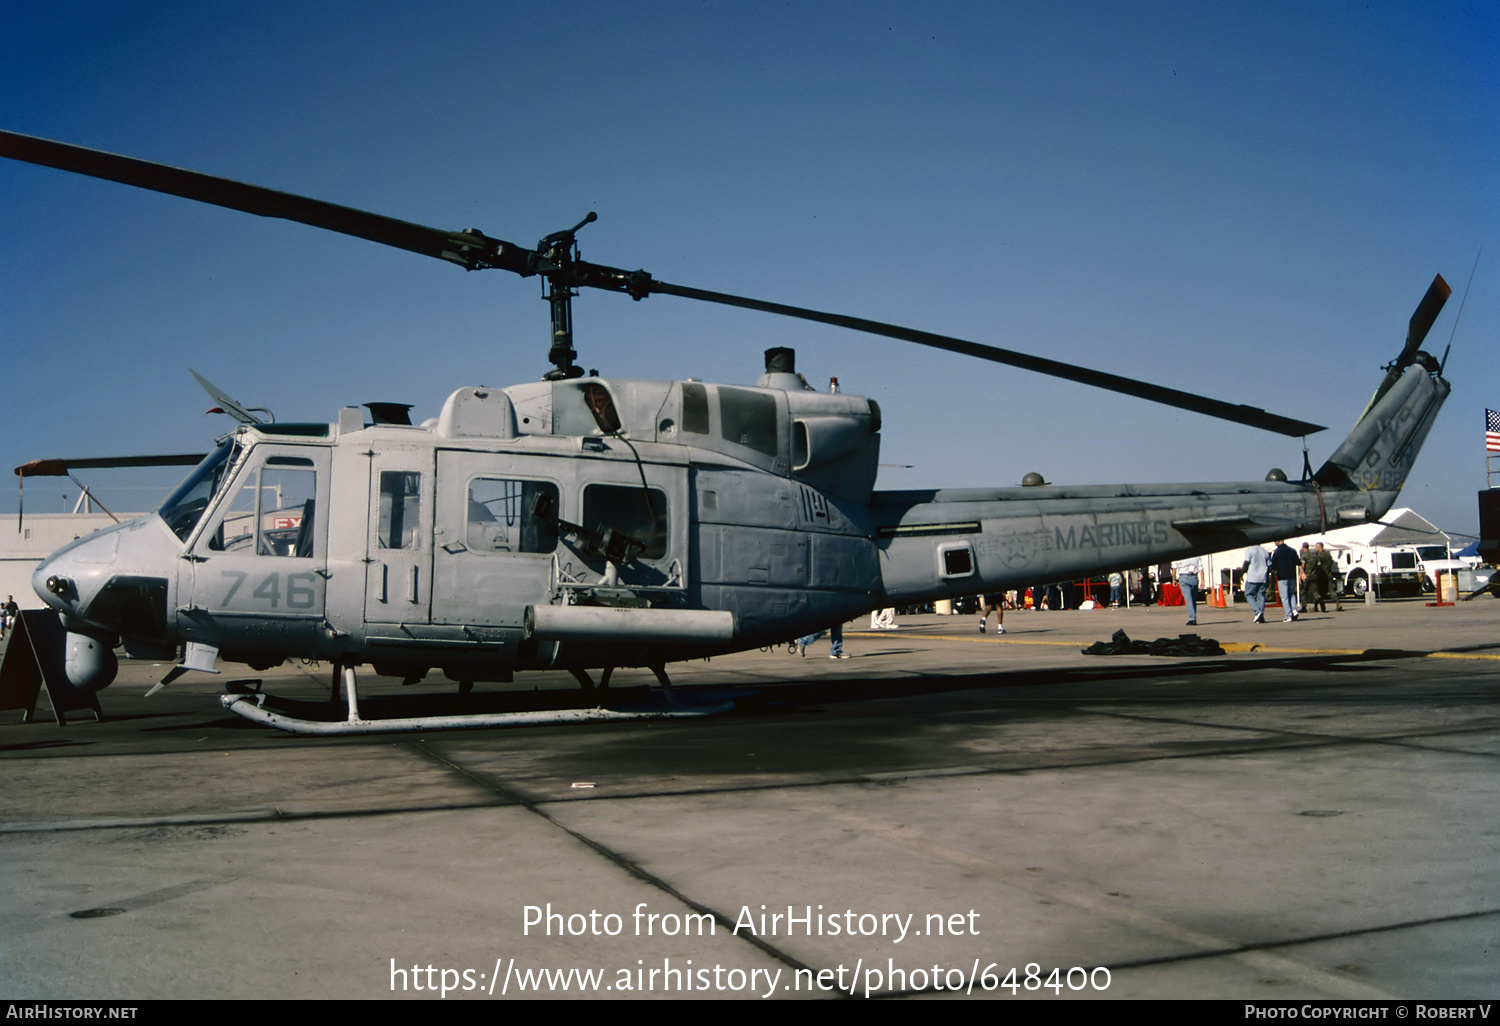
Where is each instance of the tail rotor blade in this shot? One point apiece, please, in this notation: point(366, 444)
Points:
point(1427, 311)
point(1421, 323)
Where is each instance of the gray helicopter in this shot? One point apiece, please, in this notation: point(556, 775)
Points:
point(586, 523)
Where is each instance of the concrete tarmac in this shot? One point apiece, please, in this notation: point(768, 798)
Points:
point(1310, 815)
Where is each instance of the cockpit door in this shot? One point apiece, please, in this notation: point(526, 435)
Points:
point(259, 566)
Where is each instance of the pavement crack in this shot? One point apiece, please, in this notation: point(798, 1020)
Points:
point(1409, 924)
point(1315, 739)
point(623, 862)
point(1034, 882)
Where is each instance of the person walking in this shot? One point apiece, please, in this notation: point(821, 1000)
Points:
point(995, 603)
point(1256, 570)
point(1285, 565)
point(835, 648)
point(1322, 580)
point(1187, 571)
point(1305, 555)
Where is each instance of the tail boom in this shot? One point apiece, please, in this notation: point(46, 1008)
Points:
point(942, 544)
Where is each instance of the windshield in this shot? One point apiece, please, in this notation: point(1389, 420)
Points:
point(1426, 552)
point(185, 506)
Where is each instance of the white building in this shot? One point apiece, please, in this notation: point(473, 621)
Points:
point(27, 540)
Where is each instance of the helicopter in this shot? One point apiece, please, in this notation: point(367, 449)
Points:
point(586, 523)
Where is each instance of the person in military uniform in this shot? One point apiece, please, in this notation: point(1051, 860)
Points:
point(1304, 557)
point(1322, 580)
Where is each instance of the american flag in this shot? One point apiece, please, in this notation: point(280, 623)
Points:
point(1491, 431)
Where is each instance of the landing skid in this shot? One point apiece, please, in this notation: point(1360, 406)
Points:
point(283, 715)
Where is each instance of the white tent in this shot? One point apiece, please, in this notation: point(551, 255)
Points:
point(1400, 527)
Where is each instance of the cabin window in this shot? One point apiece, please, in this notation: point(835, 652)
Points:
point(631, 510)
point(956, 560)
point(694, 408)
point(400, 510)
point(748, 418)
point(500, 516)
point(583, 408)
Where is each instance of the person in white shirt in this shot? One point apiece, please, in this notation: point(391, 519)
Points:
point(1186, 571)
point(1256, 570)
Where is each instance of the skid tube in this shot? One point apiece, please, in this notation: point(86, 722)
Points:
point(252, 706)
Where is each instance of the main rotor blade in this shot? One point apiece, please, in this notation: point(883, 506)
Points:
point(1249, 415)
point(468, 249)
point(474, 250)
point(60, 468)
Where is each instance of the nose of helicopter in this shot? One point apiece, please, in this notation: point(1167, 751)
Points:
point(109, 588)
point(69, 578)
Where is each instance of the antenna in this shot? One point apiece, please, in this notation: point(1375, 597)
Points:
point(1460, 313)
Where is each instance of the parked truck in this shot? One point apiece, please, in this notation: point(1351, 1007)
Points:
point(1391, 570)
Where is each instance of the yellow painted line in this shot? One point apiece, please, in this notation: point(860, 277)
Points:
point(1244, 647)
point(1248, 646)
point(982, 639)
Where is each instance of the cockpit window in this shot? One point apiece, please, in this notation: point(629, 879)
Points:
point(184, 507)
point(273, 514)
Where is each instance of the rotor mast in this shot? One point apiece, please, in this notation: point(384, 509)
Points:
point(560, 250)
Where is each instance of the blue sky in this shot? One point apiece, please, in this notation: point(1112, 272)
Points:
point(1245, 200)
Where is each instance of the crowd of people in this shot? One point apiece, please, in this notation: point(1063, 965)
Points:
point(1305, 580)
point(1308, 579)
